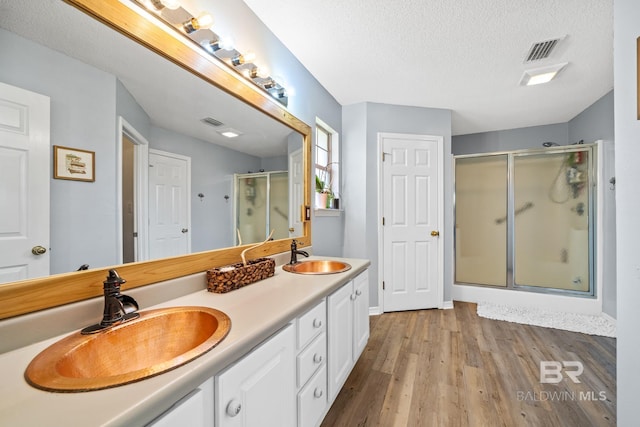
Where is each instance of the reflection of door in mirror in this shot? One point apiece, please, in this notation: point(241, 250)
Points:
point(169, 204)
point(296, 192)
point(24, 184)
point(128, 201)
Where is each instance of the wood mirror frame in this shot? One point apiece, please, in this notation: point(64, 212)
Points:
point(31, 295)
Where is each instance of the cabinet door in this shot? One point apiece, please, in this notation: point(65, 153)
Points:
point(259, 390)
point(340, 323)
point(360, 314)
point(193, 410)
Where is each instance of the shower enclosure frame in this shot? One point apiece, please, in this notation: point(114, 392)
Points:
point(268, 201)
point(593, 169)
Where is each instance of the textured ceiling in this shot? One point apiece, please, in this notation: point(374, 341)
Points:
point(463, 55)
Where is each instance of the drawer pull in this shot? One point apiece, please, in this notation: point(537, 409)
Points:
point(317, 393)
point(317, 323)
point(353, 297)
point(233, 408)
point(358, 292)
point(317, 358)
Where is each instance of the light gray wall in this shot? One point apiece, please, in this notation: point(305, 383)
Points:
point(131, 111)
point(280, 163)
point(83, 115)
point(595, 122)
point(361, 125)
point(510, 139)
point(626, 14)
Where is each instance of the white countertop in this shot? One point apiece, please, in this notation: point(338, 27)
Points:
point(256, 312)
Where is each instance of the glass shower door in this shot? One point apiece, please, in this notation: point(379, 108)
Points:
point(551, 211)
point(252, 199)
point(279, 205)
point(481, 220)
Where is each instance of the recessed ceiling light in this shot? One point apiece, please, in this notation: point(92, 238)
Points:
point(230, 133)
point(536, 76)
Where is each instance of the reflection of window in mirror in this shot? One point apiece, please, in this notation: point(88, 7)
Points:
point(327, 167)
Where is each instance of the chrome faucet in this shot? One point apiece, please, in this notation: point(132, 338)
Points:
point(295, 252)
point(118, 308)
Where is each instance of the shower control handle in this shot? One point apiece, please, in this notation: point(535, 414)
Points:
point(435, 233)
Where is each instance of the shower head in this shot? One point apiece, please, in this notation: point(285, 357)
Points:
point(550, 144)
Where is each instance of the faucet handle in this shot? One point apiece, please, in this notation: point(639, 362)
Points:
point(113, 280)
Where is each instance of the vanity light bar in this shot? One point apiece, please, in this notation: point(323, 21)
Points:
point(198, 30)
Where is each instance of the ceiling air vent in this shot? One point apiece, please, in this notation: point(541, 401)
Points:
point(212, 122)
point(541, 50)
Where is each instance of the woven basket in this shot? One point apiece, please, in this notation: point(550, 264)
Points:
point(231, 277)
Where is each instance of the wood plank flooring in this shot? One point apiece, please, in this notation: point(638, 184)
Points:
point(453, 368)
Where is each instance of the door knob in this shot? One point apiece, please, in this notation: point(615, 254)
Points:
point(38, 250)
point(233, 408)
point(185, 230)
point(435, 233)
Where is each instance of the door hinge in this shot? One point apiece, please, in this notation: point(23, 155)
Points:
point(383, 285)
point(382, 220)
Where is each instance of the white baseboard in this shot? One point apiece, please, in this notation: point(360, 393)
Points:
point(374, 311)
point(609, 318)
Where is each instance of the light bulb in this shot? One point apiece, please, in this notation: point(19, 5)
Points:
point(262, 71)
point(227, 42)
point(203, 21)
point(243, 58)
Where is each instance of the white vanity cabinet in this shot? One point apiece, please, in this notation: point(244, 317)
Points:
point(193, 410)
point(348, 330)
point(311, 365)
point(260, 389)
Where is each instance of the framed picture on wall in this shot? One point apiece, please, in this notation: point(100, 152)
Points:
point(73, 164)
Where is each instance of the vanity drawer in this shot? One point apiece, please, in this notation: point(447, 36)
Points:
point(311, 324)
point(312, 400)
point(311, 359)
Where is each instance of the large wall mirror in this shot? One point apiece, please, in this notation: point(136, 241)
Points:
point(143, 100)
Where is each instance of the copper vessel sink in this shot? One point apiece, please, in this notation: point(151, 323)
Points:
point(317, 267)
point(158, 341)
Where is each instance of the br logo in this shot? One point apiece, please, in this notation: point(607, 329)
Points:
point(551, 372)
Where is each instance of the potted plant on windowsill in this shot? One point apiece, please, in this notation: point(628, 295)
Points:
point(322, 193)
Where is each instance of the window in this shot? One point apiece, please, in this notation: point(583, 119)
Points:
point(327, 167)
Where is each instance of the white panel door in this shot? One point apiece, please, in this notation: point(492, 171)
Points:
point(411, 222)
point(169, 204)
point(296, 193)
point(24, 183)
